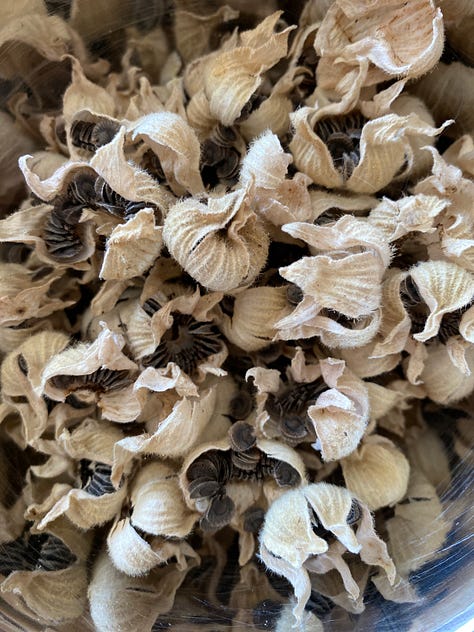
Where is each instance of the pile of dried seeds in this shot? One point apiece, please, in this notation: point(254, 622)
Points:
point(238, 286)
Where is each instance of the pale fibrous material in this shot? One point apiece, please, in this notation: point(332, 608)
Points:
point(236, 308)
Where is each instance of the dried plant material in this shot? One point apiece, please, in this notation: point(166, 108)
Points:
point(221, 244)
point(115, 598)
point(418, 529)
point(132, 247)
point(372, 156)
point(376, 473)
point(255, 313)
point(229, 91)
point(177, 147)
point(239, 265)
point(398, 39)
point(286, 546)
point(455, 81)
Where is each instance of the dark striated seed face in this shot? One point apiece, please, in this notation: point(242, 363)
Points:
point(294, 294)
point(202, 488)
point(15, 556)
point(54, 555)
point(212, 465)
point(100, 381)
point(355, 513)
point(61, 233)
point(342, 137)
point(96, 478)
point(186, 343)
point(242, 436)
point(245, 461)
point(219, 513)
point(285, 474)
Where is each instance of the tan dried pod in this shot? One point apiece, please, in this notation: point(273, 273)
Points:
point(376, 158)
point(413, 213)
point(177, 147)
point(378, 32)
point(187, 420)
point(115, 598)
point(419, 527)
point(454, 81)
point(461, 154)
point(229, 91)
point(377, 472)
point(53, 590)
point(91, 439)
point(255, 313)
point(194, 31)
point(125, 178)
point(427, 454)
point(445, 287)
point(158, 506)
point(132, 247)
point(221, 244)
point(135, 555)
point(443, 382)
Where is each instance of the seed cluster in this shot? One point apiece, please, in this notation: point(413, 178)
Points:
point(236, 307)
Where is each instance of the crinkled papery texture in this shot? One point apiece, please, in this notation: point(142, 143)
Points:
point(53, 596)
point(32, 356)
point(419, 527)
point(279, 200)
point(343, 279)
point(222, 245)
point(176, 145)
point(287, 539)
point(396, 323)
point(22, 297)
point(91, 439)
point(82, 508)
point(445, 287)
point(255, 313)
point(231, 77)
point(443, 382)
point(401, 39)
point(132, 247)
point(384, 147)
point(121, 405)
point(376, 473)
point(126, 178)
point(187, 421)
point(340, 414)
point(115, 598)
point(413, 213)
point(133, 555)
point(83, 94)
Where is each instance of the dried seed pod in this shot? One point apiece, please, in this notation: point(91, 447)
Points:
point(63, 234)
point(91, 136)
point(341, 134)
point(186, 343)
point(96, 478)
point(54, 554)
point(220, 159)
point(285, 474)
point(242, 404)
point(109, 200)
point(248, 464)
point(242, 436)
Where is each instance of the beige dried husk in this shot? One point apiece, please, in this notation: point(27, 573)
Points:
point(55, 596)
point(256, 311)
point(398, 39)
point(105, 352)
point(116, 599)
point(376, 473)
point(15, 143)
point(132, 247)
point(387, 144)
point(288, 543)
point(276, 198)
point(221, 244)
point(176, 145)
point(345, 277)
point(232, 76)
point(419, 527)
point(442, 380)
point(427, 454)
point(187, 420)
point(339, 415)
